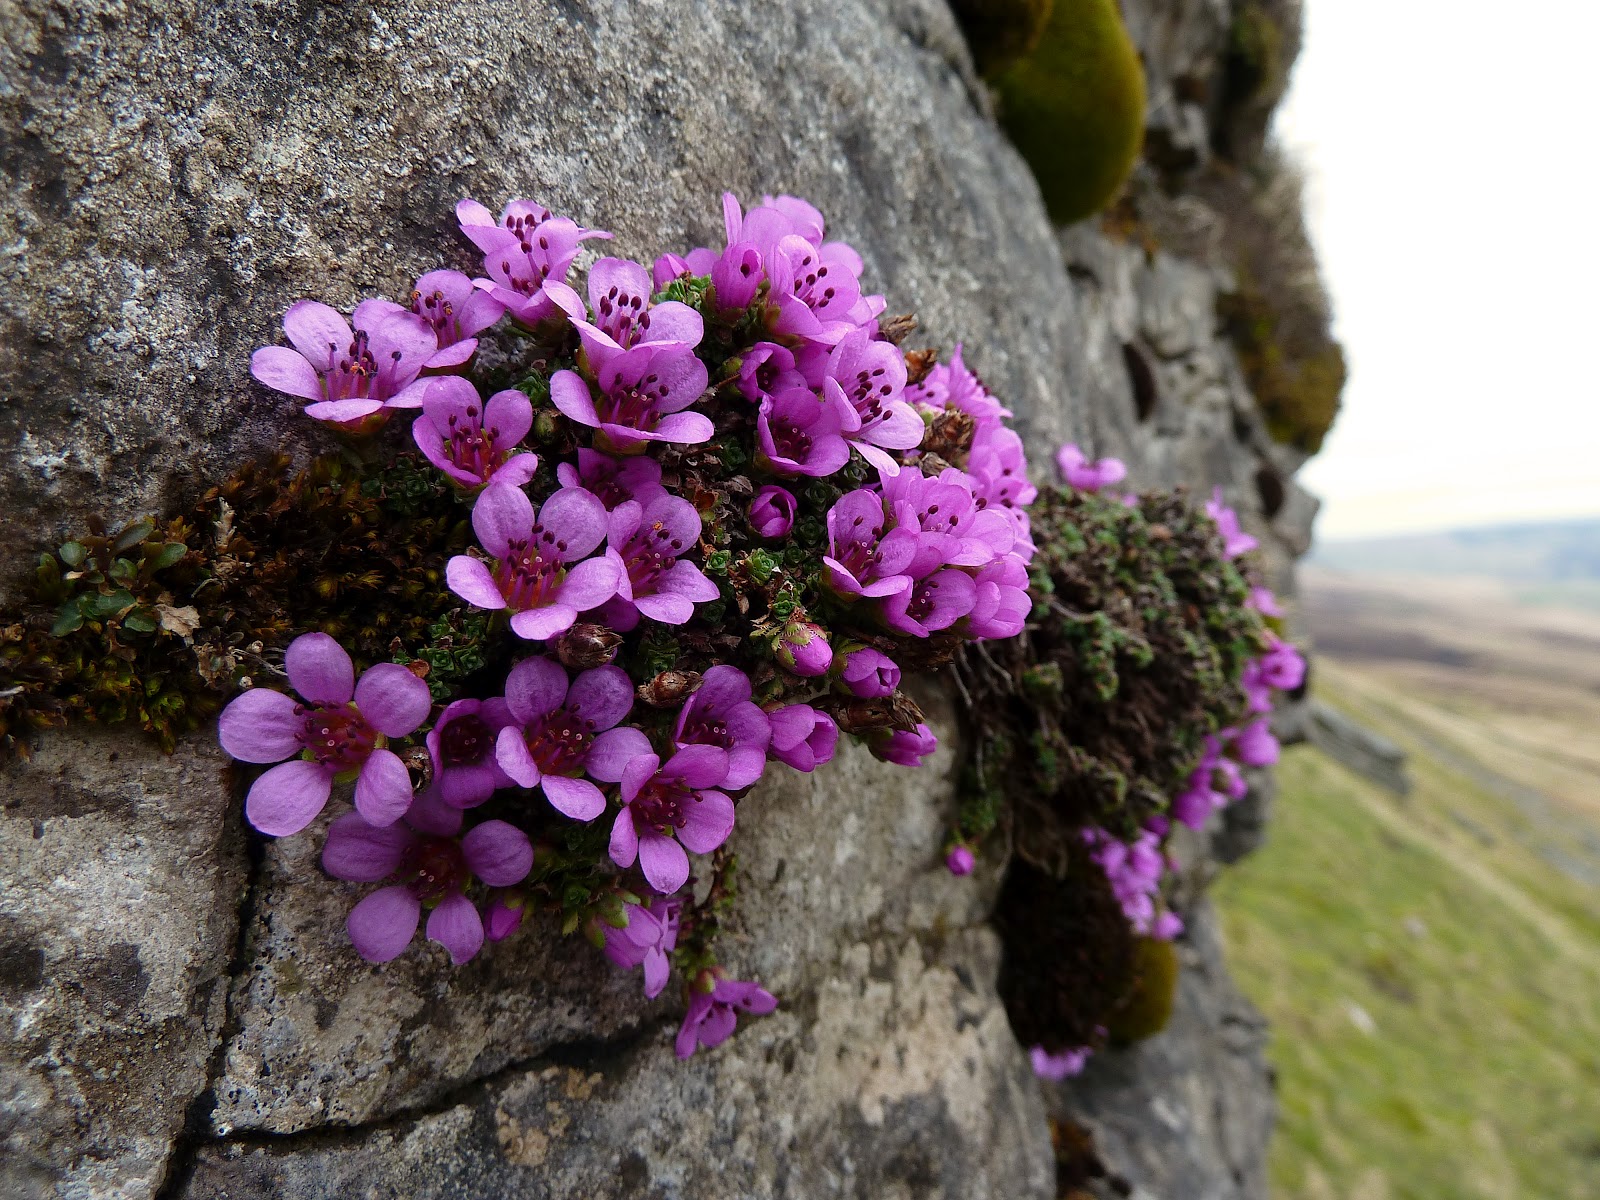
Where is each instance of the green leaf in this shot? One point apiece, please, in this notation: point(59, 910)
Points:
point(170, 555)
point(123, 571)
point(103, 605)
point(68, 620)
point(132, 536)
point(140, 620)
point(73, 554)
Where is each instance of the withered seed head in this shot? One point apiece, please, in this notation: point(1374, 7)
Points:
point(586, 646)
point(669, 688)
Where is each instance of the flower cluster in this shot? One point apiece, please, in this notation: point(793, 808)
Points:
point(715, 513)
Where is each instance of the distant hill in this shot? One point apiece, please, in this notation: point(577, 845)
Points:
point(1546, 552)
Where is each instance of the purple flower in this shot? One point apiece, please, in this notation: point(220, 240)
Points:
point(931, 604)
point(1282, 666)
point(350, 376)
point(642, 393)
point(803, 649)
point(1001, 605)
point(559, 732)
point(619, 295)
point(471, 441)
point(862, 559)
point(870, 376)
point(1087, 476)
point(953, 385)
point(504, 915)
point(1264, 602)
point(1257, 691)
point(736, 277)
point(613, 480)
point(664, 804)
point(537, 574)
point(1167, 926)
point(721, 713)
point(902, 748)
point(800, 433)
point(713, 1014)
point(1234, 541)
point(457, 311)
point(1134, 872)
point(772, 511)
point(1056, 1067)
point(527, 254)
point(868, 673)
point(646, 542)
point(956, 529)
point(1255, 746)
point(767, 369)
point(802, 737)
point(435, 867)
point(649, 937)
point(340, 729)
point(960, 861)
point(999, 469)
point(462, 744)
point(816, 289)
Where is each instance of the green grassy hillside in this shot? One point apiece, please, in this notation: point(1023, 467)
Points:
point(1431, 965)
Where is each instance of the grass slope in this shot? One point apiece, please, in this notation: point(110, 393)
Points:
point(1433, 980)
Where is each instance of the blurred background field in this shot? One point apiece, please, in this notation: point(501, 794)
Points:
point(1431, 963)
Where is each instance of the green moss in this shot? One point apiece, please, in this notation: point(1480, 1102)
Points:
point(1001, 32)
point(1075, 107)
point(1139, 634)
point(1147, 1008)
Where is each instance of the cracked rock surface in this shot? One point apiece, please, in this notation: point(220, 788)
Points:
point(180, 1012)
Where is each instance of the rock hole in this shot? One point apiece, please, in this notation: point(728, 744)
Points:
point(1269, 485)
point(1143, 381)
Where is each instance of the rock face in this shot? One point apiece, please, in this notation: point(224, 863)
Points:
point(182, 1014)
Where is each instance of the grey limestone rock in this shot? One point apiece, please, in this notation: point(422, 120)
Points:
point(178, 174)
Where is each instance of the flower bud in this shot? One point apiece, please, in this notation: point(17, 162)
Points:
point(668, 689)
point(959, 861)
point(772, 512)
point(803, 648)
point(902, 748)
point(586, 646)
point(867, 673)
point(504, 915)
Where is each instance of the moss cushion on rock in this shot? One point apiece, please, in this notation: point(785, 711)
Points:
point(1075, 107)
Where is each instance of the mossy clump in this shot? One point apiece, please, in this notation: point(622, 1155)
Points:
point(1095, 715)
point(1263, 42)
point(1070, 956)
point(1146, 1009)
point(156, 624)
point(1000, 32)
point(1075, 107)
point(1278, 315)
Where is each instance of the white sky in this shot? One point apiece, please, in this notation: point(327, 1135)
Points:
point(1453, 156)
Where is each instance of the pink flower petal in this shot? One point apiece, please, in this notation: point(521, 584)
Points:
point(473, 582)
point(540, 624)
point(456, 925)
point(498, 853)
point(535, 688)
point(575, 798)
point(663, 862)
point(613, 750)
point(281, 368)
point(709, 822)
point(690, 429)
point(602, 696)
point(590, 583)
point(668, 609)
point(570, 394)
point(364, 852)
point(511, 753)
point(339, 411)
point(382, 925)
point(393, 700)
point(511, 412)
point(624, 847)
point(261, 726)
point(319, 669)
point(288, 798)
point(383, 789)
point(317, 331)
point(502, 514)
